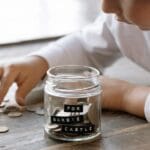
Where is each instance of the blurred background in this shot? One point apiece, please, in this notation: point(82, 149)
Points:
point(29, 25)
point(24, 20)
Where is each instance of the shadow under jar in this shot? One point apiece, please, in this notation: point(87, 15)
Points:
point(72, 103)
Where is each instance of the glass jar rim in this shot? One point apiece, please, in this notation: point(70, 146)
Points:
point(52, 75)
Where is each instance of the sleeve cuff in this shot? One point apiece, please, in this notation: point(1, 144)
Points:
point(48, 53)
point(147, 108)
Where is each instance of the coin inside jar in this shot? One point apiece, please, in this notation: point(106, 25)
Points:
point(93, 113)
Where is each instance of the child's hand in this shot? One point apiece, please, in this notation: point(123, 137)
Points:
point(124, 96)
point(26, 72)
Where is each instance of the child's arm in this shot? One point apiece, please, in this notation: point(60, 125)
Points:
point(93, 46)
point(124, 96)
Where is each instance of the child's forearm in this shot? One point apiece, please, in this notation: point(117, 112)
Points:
point(124, 96)
point(134, 100)
point(113, 91)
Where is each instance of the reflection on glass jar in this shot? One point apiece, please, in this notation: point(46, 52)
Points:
point(72, 103)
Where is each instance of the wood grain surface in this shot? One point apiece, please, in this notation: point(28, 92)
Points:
point(119, 131)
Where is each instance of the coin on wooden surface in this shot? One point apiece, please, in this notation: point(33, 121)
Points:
point(31, 109)
point(14, 114)
point(34, 107)
point(2, 105)
point(4, 129)
point(6, 100)
point(8, 109)
point(40, 111)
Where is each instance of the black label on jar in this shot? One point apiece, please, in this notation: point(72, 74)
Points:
point(73, 108)
point(80, 129)
point(67, 120)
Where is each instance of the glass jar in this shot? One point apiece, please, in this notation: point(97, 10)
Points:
point(72, 103)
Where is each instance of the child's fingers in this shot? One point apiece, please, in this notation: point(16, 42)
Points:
point(7, 79)
point(22, 91)
point(1, 72)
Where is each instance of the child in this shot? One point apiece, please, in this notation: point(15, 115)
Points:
point(97, 45)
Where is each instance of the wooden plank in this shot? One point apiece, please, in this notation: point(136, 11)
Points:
point(76, 146)
point(136, 137)
point(26, 132)
point(126, 130)
point(112, 121)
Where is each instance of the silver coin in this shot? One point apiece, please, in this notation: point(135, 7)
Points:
point(39, 111)
point(34, 107)
point(58, 129)
point(53, 126)
point(56, 110)
point(2, 105)
point(14, 114)
point(8, 109)
point(4, 129)
point(31, 108)
point(6, 100)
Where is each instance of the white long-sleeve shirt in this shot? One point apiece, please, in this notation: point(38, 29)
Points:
point(99, 44)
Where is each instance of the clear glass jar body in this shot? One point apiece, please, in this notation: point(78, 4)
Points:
point(72, 103)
